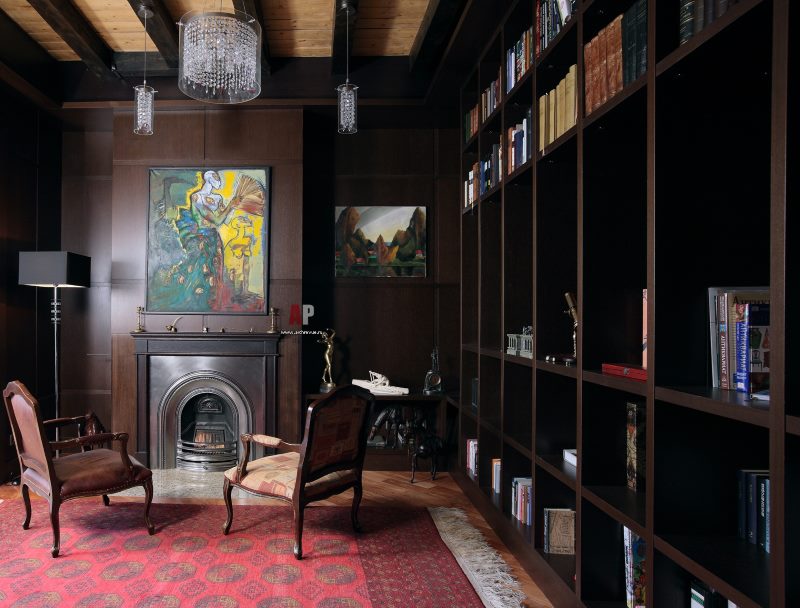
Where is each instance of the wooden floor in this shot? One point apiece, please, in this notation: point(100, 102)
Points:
point(393, 488)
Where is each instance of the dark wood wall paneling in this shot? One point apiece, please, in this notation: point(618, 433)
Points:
point(29, 204)
point(384, 325)
point(106, 178)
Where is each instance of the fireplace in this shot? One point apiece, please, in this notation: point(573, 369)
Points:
point(206, 437)
point(197, 393)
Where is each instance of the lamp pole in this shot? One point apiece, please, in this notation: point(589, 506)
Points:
point(55, 317)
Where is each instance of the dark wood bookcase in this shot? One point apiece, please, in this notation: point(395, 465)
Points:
point(677, 183)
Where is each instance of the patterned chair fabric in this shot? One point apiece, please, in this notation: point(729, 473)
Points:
point(329, 460)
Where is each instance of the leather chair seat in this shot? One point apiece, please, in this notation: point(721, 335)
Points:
point(84, 472)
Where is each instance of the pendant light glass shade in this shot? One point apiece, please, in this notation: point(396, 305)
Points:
point(348, 108)
point(347, 94)
point(219, 56)
point(145, 100)
point(143, 95)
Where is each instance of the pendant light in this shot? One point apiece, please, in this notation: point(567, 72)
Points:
point(347, 94)
point(219, 56)
point(144, 95)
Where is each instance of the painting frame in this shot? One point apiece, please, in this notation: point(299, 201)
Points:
point(380, 241)
point(170, 229)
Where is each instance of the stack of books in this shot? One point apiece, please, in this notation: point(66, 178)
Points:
point(522, 499)
point(701, 596)
point(635, 552)
point(739, 339)
point(694, 15)
point(635, 445)
point(558, 110)
point(615, 57)
point(753, 508)
point(518, 143)
point(490, 98)
point(551, 17)
point(471, 123)
point(497, 476)
point(519, 59)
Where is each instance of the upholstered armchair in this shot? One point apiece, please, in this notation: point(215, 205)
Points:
point(95, 472)
point(328, 461)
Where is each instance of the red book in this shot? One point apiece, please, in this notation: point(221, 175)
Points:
point(634, 372)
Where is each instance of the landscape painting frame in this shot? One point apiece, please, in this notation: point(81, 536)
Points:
point(380, 241)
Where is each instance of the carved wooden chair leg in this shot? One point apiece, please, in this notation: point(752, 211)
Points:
point(298, 531)
point(106, 500)
point(148, 499)
point(357, 492)
point(54, 506)
point(227, 489)
point(27, 500)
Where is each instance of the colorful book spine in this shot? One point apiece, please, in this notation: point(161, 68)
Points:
point(635, 446)
point(741, 320)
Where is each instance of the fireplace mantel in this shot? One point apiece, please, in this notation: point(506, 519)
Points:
point(162, 358)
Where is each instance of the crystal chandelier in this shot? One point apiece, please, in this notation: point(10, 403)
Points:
point(347, 94)
point(143, 95)
point(219, 56)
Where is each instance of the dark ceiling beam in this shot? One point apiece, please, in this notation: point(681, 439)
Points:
point(74, 29)
point(339, 48)
point(161, 27)
point(131, 65)
point(253, 8)
point(434, 33)
point(26, 66)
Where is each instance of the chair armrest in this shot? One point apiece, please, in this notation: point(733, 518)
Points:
point(99, 438)
point(59, 422)
point(271, 442)
point(265, 440)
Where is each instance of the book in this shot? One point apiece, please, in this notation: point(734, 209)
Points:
point(741, 332)
point(633, 372)
point(559, 533)
point(742, 497)
point(472, 458)
point(761, 516)
point(614, 56)
point(634, 559)
point(699, 595)
point(629, 45)
point(752, 505)
point(571, 105)
point(685, 21)
point(496, 475)
point(759, 348)
point(644, 328)
point(635, 445)
point(570, 456)
point(641, 37)
point(766, 517)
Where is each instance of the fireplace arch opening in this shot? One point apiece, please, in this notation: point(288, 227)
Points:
point(200, 418)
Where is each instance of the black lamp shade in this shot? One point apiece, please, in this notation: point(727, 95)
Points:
point(54, 268)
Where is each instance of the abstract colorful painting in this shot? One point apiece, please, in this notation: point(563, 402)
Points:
point(207, 240)
point(381, 241)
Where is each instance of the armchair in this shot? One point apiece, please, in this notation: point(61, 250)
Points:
point(328, 461)
point(100, 471)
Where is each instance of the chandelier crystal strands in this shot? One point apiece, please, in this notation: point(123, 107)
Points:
point(143, 95)
point(347, 94)
point(219, 56)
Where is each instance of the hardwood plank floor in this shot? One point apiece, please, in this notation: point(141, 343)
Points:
point(390, 488)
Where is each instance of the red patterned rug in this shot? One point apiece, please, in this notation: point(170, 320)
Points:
point(108, 559)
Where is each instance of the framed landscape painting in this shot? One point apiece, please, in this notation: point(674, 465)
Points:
point(381, 241)
point(207, 240)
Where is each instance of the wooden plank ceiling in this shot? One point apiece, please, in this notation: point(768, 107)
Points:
point(294, 28)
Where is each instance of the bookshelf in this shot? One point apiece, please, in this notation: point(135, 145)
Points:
point(676, 182)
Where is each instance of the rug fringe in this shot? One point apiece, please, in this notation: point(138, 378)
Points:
point(489, 574)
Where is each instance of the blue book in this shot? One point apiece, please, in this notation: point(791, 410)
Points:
point(741, 329)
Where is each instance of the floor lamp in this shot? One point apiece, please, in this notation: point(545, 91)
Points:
point(54, 269)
